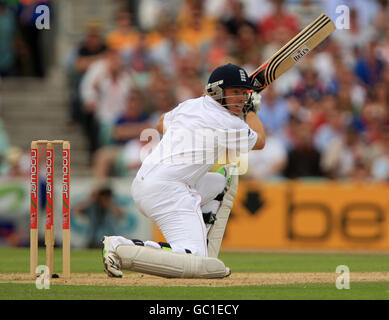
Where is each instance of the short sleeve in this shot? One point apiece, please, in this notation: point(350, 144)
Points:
point(241, 138)
point(252, 138)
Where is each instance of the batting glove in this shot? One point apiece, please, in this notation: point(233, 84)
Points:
point(253, 104)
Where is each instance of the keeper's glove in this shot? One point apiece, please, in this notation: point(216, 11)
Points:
point(253, 103)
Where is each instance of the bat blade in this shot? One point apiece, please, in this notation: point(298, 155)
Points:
point(291, 53)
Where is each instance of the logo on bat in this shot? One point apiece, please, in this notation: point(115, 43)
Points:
point(300, 53)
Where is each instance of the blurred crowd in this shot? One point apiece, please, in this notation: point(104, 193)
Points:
point(328, 117)
point(21, 42)
point(21, 55)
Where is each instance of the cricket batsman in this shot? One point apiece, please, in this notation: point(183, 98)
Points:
point(175, 189)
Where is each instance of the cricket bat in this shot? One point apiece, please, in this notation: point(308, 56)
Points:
point(291, 53)
point(216, 232)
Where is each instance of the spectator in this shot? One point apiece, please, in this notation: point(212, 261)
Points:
point(105, 89)
point(306, 11)
point(188, 82)
point(369, 66)
point(164, 93)
point(279, 26)
point(269, 163)
point(323, 61)
point(246, 43)
point(18, 163)
point(303, 158)
point(320, 112)
point(168, 50)
point(103, 213)
point(195, 28)
point(257, 10)
point(253, 9)
point(309, 89)
point(32, 36)
point(252, 59)
point(90, 49)
point(380, 22)
point(7, 34)
point(351, 94)
point(298, 112)
point(333, 127)
point(159, 81)
point(157, 34)
point(150, 11)
point(236, 17)
point(139, 61)
point(339, 158)
point(217, 51)
point(371, 119)
point(274, 112)
point(128, 127)
point(125, 36)
point(361, 172)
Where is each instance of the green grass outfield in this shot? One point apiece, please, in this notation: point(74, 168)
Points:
point(89, 261)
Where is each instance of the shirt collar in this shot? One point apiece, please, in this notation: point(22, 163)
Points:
point(214, 103)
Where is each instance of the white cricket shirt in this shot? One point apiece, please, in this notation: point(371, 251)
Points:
point(198, 132)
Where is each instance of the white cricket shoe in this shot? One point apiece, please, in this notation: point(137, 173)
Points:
point(111, 261)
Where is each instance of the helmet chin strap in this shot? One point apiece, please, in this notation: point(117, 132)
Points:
point(223, 101)
point(225, 105)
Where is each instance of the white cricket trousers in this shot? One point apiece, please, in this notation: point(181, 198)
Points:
point(176, 209)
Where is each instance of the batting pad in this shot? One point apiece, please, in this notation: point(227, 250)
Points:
point(216, 233)
point(169, 264)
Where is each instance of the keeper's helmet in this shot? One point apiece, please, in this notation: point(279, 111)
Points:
point(226, 76)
